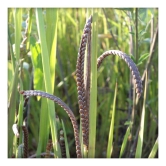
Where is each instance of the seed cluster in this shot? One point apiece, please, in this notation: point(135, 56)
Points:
point(62, 144)
point(48, 148)
point(65, 107)
point(130, 63)
point(25, 131)
point(82, 100)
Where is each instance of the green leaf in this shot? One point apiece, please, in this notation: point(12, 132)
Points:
point(20, 151)
point(10, 77)
point(44, 127)
point(110, 139)
point(47, 78)
point(142, 32)
point(154, 150)
point(143, 15)
point(125, 141)
point(18, 22)
point(140, 141)
point(128, 123)
point(51, 36)
point(37, 64)
point(114, 24)
point(11, 112)
point(29, 28)
point(142, 58)
point(20, 113)
point(93, 86)
point(71, 19)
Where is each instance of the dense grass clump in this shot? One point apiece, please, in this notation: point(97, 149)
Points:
point(107, 106)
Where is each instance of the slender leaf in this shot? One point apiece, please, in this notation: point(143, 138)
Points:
point(141, 131)
point(51, 36)
point(11, 111)
point(29, 29)
point(124, 143)
point(47, 77)
point(44, 127)
point(20, 114)
point(18, 23)
point(111, 135)
point(37, 64)
point(142, 58)
point(154, 149)
point(93, 86)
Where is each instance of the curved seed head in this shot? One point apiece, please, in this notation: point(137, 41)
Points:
point(130, 63)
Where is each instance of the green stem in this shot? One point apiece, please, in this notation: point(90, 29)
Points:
point(111, 132)
point(141, 131)
point(93, 86)
point(136, 36)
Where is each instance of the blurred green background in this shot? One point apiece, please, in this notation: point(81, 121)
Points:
point(131, 30)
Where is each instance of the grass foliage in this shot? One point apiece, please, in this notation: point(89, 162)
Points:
point(42, 54)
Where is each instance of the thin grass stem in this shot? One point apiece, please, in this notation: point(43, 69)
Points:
point(141, 131)
point(93, 86)
point(111, 135)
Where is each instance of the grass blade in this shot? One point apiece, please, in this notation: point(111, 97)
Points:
point(154, 150)
point(141, 132)
point(38, 84)
point(47, 77)
point(93, 86)
point(110, 139)
point(51, 35)
point(29, 28)
point(11, 112)
point(44, 127)
point(20, 114)
point(125, 141)
point(17, 13)
point(18, 21)
point(37, 64)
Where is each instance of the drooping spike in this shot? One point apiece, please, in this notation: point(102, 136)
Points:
point(131, 65)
